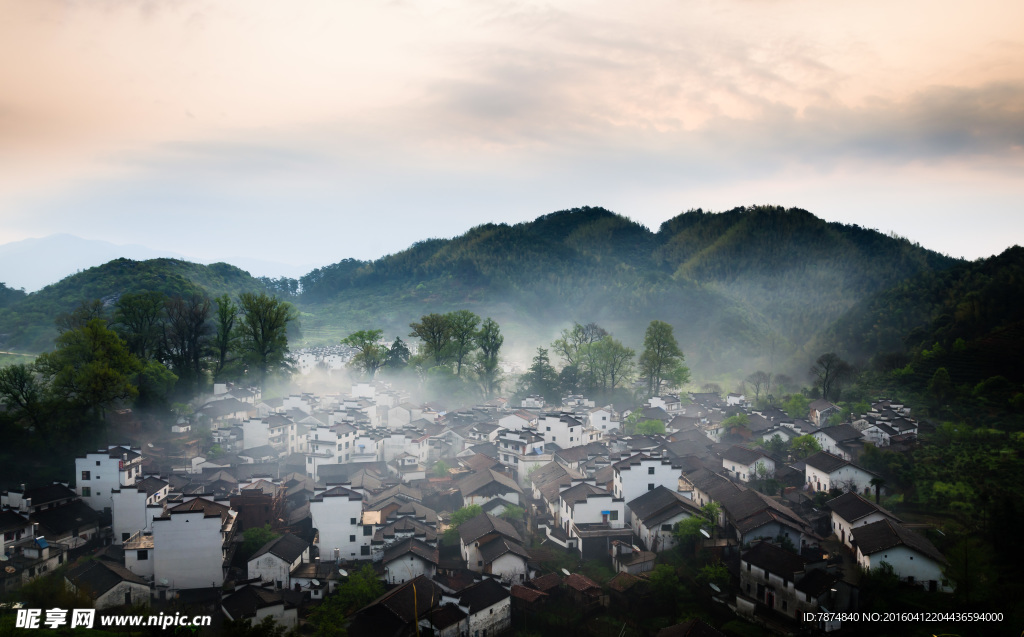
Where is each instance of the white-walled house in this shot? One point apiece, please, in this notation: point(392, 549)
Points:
point(108, 584)
point(275, 560)
point(825, 471)
point(641, 473)
point(655, 514)
point(190, 543)
point(562, 430)
point(747, 464)
point(913, 558)
point(850, 511)
point(408, 560)
point(492, 545)
point(337, 513)
point(97, 474)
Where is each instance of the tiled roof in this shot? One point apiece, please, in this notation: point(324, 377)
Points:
point(288, 547)
point(885, 534)
point(481, 525)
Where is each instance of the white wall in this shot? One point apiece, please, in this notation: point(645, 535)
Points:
point(407, 567)
point(129, 513)
point(907, 563)
point(333, 518)
point(188, 550)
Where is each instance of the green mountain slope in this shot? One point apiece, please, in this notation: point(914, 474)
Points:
point(731, 283)
point(27, 324)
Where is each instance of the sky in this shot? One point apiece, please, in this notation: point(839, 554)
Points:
point(308, 132)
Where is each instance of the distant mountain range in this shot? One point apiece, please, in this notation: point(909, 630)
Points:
point(760, 287)
point(32, 264)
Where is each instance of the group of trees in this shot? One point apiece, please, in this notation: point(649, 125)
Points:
point(457, 344)
point(595, 363)
point(148, 349)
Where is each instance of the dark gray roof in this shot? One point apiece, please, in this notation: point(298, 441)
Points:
point(247, 600)
point(494, 549)
point(12, 521)
point(483, 595)
point(885, 534)
point(742, 455)
point(851, 507)
point(825, 461)
point(288, 547)
point(488, 482)
point(481, 525)
point(414, 546)
point(99, 576)
point(842, 433)
point(658, 501)
point(67, 517)
point(775, 560)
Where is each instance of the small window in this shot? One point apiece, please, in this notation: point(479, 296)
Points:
point(650, 471)
point(86, 492)
point(351, 538)
point(785, 605)
point(142, 555)
point(97, 463)
point(364, 550)
point(352, 521)
point(650, 486)
point(125, 536)
point(85, 475)
point(367, 530)
point(614, 515)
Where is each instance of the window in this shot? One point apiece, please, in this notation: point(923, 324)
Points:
point(785, 605)
point(479, 562)
point(85, 475)
point(650, 486)
point(352, 521)
point(666, 527)
point(367, 530)
point(351, 538)
point(97, 463)
point(142, 555)
point(650, 471)
point(125, 536)
point(364, 550)
point(86, 492)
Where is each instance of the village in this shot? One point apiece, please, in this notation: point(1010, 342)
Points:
point(475, 519)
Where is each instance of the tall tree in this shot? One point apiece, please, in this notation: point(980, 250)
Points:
point(226, 336)
point(90, 367)
point(541, 378)
point(372, 354)
point(612, 363)
point(137, 318)
point(85, 312)
point(573, 346)
point(435, 332)
point(760, 380)
point(398, 355)
point(661, 363)
point(830, 372)
point(24, 395)
point(186, 334)
point(263, 333)
point(489, 341)
point(462, 326)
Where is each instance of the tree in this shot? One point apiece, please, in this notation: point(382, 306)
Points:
point(830, 372)
point(255, 538)
point(435, 332)
point(465, 514)
point(611, 363)
point(540, 378)
point(91, 367)
point(80, 316)
point(398, 355)
point(24, 394)
point(372, 355)
point(185, 336)
point(574, 348)
point(225, 338)
point(263, 333)
point(137, 319)
point(489, 341)
point(797, 406)
point(759, 380)
point(804, 446)
point(940, 386)
point(662, 361)
point(361, 588)
point(649, 427)
point(440, 469)
point(666, 586)
point(462, 326)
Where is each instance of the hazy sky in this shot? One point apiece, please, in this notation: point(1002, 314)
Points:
point(311, 131)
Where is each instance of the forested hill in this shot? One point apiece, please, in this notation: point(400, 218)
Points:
point(739, 286)
point(27, 321)
point(734, 284)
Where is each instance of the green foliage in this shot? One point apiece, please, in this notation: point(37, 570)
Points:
point(648, 427)
point(398, 355)
point(371, 355)
point(90, 367)
point(137, 318)
point(263, 333)
point(797, 406)
point(488, 340)
point(466, 513)
point(540, 379)
point(513, 513)
point(436, 333)
point(804, 446)
point(715, 573)
point(255, 538)
point(359, 589)
point(661, 364)
point(666, 586)
point(440, 469)
point(226, 336)
point(462, 327)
